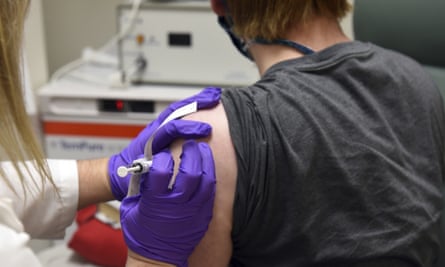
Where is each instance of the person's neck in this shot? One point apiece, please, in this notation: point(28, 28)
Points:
point(318, 34)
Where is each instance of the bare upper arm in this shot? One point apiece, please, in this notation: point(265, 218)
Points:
point(215, 248)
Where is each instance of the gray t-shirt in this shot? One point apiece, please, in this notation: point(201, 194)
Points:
point(340, 161)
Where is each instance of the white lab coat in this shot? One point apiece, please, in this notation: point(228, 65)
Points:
point(43, 216)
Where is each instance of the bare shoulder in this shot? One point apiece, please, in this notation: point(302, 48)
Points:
point(216, 247)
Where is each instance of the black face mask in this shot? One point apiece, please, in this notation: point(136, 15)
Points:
point(242, 46)
point(239, 43)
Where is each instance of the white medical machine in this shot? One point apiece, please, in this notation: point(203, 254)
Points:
point(183, 49)
point(82, 121)
point(180, 43)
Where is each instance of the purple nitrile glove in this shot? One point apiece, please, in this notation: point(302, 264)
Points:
point(166, 225)
point(207, 98)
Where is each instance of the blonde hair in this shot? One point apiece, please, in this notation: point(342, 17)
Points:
point(18, 142)
point(270, 19)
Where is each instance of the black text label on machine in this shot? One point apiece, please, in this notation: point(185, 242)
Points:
point(81, 146)
point(70, 147)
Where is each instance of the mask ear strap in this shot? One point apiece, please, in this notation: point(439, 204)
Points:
point(301, 48)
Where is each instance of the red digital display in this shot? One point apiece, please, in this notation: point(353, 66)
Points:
point(119, 105)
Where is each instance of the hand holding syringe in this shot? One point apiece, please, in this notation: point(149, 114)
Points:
point(142, 165)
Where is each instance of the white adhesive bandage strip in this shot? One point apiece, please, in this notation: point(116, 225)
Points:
point(181, 112)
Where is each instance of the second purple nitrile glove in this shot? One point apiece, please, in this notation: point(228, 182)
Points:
point(166, 225)
point(207, 98)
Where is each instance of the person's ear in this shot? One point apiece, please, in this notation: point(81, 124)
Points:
point(218, 7)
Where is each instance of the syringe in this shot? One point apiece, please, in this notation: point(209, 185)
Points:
point(139, 166)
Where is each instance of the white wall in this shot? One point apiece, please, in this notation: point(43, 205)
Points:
point(35, 50)
point(71, 25)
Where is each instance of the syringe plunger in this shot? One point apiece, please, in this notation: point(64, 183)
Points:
point(138, 167)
